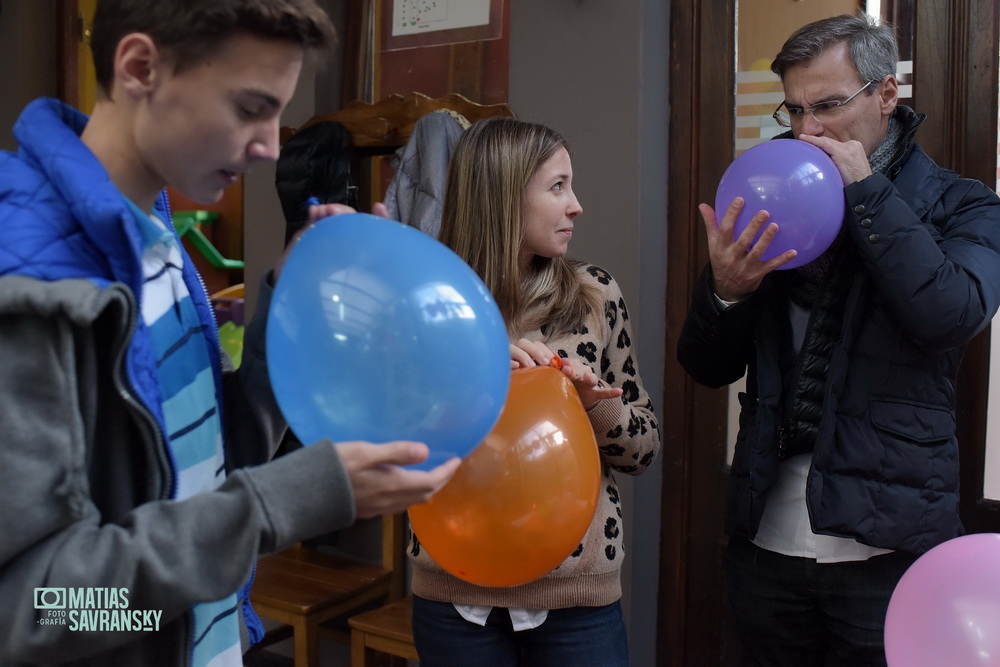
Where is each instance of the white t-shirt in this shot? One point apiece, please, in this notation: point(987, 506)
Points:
point(785, 527)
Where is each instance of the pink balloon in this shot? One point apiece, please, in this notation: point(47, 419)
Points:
point(945, 611)
point(798, 184)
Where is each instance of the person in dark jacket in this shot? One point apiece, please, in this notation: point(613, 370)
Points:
point(846, 463)
point(136, 492)
point(315, 162)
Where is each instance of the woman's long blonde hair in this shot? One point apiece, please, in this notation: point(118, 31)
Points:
point(483, 222)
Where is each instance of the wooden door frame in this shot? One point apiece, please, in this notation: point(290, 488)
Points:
point(695, 476)
point(69, 32)
point(960, 133)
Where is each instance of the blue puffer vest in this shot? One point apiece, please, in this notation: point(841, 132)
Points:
point(62, 217)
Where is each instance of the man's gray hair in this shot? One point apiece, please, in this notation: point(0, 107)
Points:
point(871, 45)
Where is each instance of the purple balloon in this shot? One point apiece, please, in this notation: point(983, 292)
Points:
point(798, 185)
point(946, 608)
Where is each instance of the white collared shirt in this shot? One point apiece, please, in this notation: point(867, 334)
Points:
point(521, 619)
point(785, 527)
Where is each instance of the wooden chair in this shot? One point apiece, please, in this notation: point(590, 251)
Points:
point(387, 629)
point(237, 291)
point(312, 592)
point(309, 591)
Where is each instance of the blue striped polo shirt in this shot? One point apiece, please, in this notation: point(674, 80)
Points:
point(194, 430)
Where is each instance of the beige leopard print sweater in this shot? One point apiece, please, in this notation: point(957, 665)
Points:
point(628, 438)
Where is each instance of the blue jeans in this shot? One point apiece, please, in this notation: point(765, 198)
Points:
point(578, 636)
point(795, 611)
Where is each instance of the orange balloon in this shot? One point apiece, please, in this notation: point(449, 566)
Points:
point(523, 499)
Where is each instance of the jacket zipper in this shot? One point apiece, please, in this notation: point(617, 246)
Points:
point(786, 431)
point(126, 392)
point(204, 287)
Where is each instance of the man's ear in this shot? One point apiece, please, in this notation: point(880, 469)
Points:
point(138, 64)
point(888, 95)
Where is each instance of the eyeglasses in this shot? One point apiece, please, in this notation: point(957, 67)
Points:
point(822, 112)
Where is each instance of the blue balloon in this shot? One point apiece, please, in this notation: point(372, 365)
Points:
point(379, 332)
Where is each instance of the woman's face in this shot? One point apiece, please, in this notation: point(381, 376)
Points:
point(549, 209)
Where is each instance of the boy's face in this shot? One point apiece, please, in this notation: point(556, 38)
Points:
point(202, 128)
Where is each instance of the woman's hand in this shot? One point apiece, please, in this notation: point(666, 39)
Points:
point(588, 385)
point(526, 353)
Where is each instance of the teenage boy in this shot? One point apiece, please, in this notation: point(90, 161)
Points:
point(131, 519)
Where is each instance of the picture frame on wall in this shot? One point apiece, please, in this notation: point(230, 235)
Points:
point(413, 23)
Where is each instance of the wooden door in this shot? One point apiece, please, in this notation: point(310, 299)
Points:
point(953, 45)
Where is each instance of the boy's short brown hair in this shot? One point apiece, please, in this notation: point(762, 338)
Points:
point(188, 31)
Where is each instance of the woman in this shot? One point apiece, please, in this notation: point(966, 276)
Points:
point(509, 212)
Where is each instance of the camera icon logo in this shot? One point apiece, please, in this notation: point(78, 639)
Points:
point(50, 598)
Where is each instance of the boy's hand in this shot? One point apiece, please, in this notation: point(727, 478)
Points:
point(381, 485)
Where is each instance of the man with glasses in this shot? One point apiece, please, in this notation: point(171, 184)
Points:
point(846, 463)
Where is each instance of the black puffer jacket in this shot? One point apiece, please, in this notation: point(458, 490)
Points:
point(314, 162)
point(923, 254)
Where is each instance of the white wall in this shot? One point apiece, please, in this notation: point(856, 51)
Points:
point(263, 222)
point(597, 73)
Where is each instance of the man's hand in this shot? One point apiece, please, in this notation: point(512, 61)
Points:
point(381, 485)
point(849, 156)
point(736, 264)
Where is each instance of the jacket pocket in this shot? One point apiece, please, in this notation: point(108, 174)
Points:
point(921, 424)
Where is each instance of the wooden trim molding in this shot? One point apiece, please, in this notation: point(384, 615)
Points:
point(695, 477)
point(388, 122)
